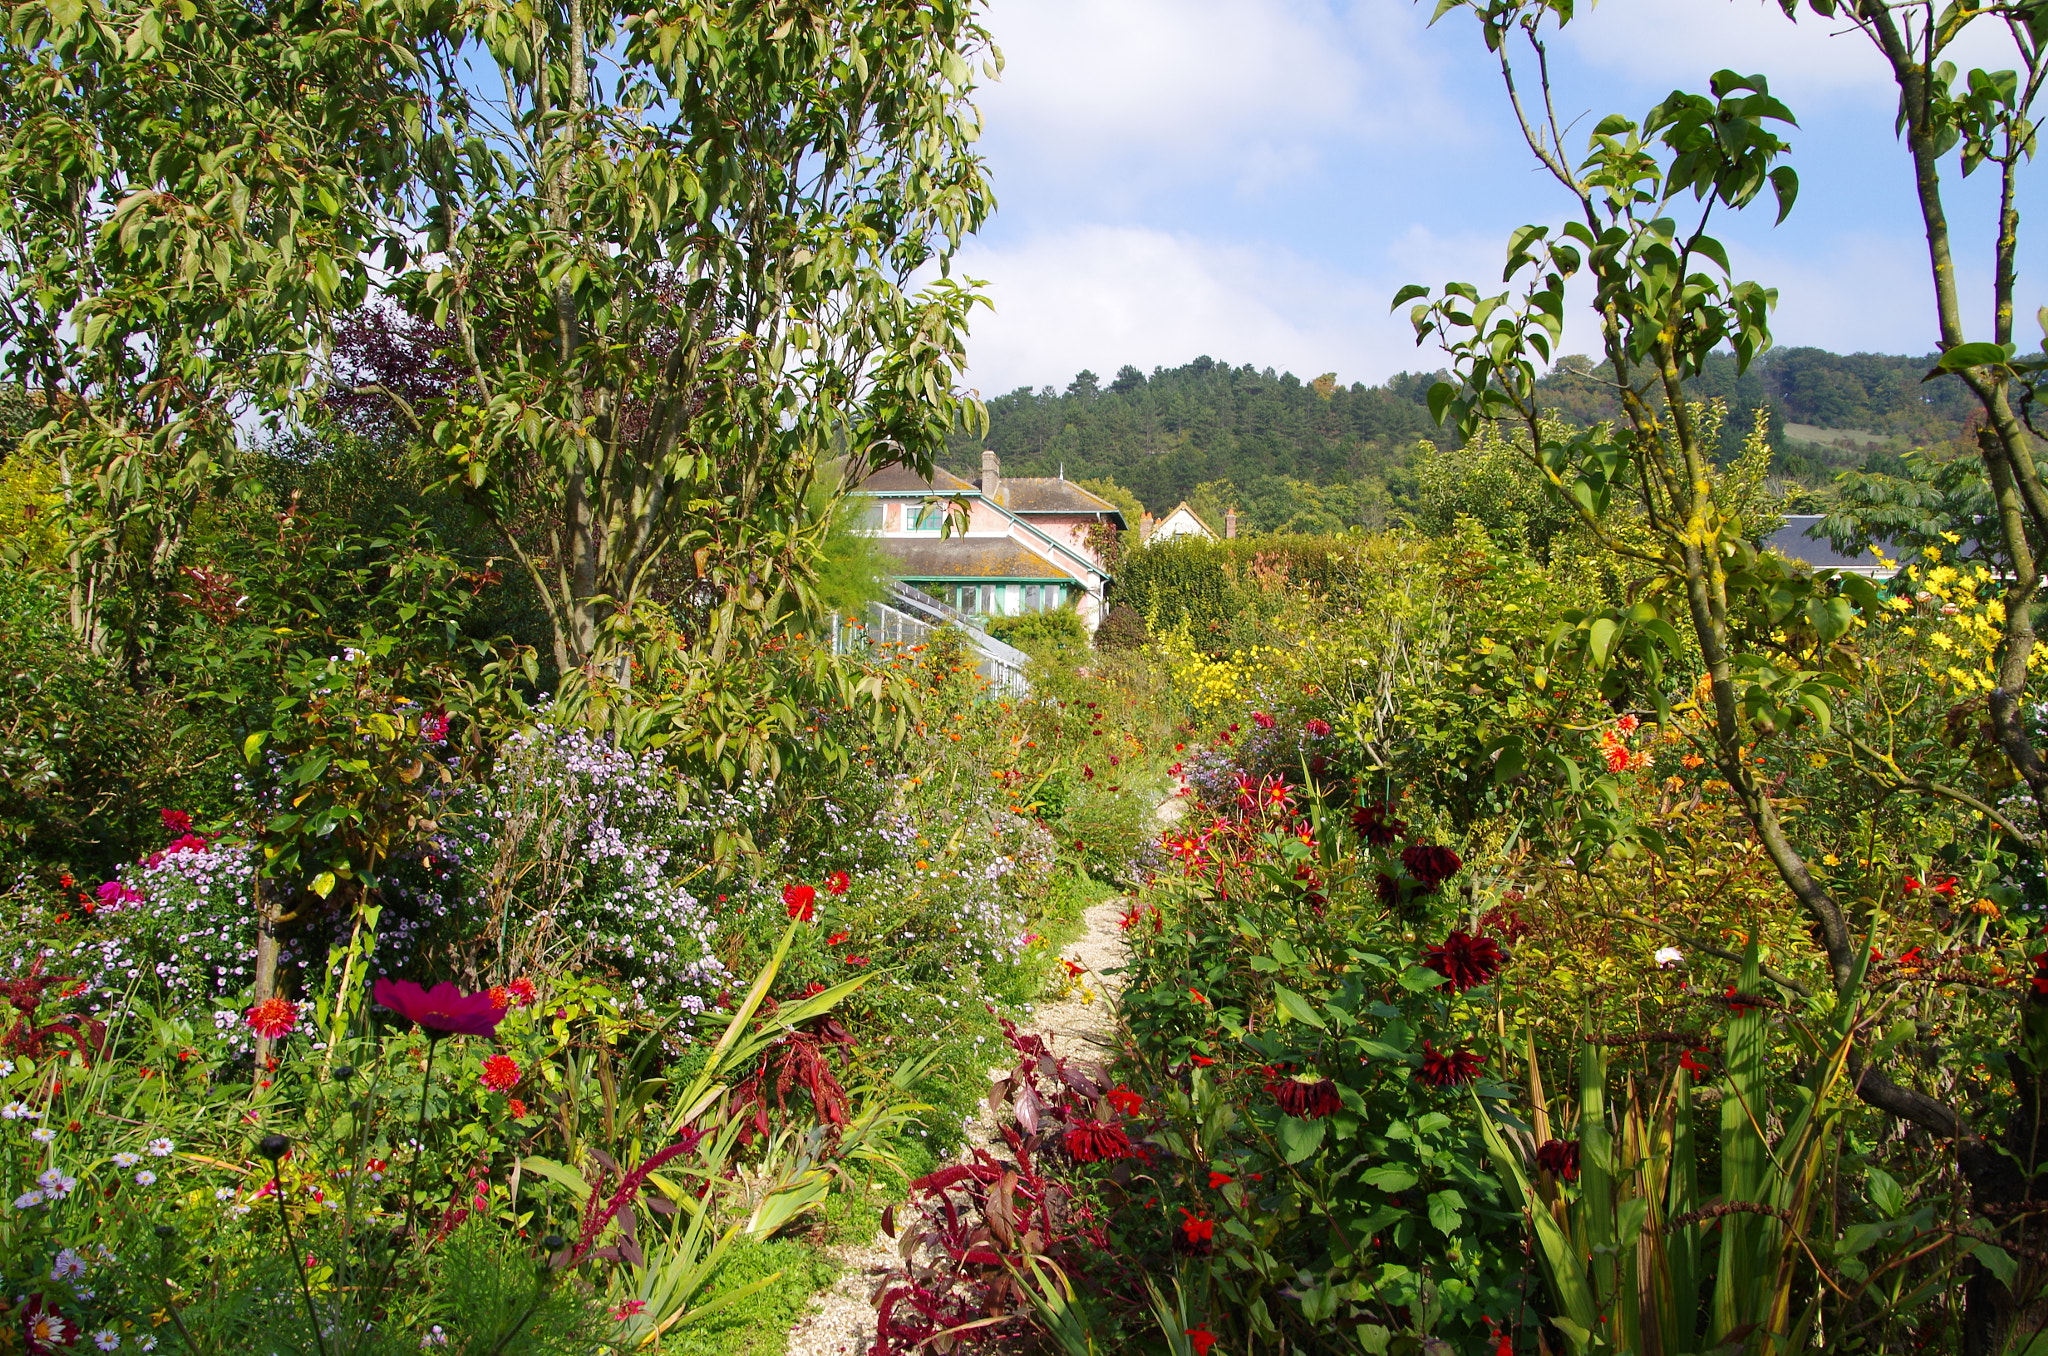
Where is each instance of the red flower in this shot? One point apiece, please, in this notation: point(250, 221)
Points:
point(1197, 1235)
point(1220, 1179)
point(1097, 1141)
point(801, 901)
point(501, 997)
point(441, 1008)
point(521, 990)
point(1262, 720)
point(1617, 758)
point(856, 960)
point(500, 1072)
point(1387, 888)
point(1126, 1102)
point(837, 883)
point(1453, 1070)
point(836, 938)
point(1692, 1065)
point(518, 1109)
point(628, 1309)
point(1317, 729)
point(813, 989)
point(189, 842)
point(175, 821)
point(1309, 1098)
point(1560, 1158)
point(273, 1018)
point(1200, 1061)
point(1201, 1339)
point(1739, 1009)
point(1430, 864)
point(1464, 960)
point(45, 1330)
point(1376, 824)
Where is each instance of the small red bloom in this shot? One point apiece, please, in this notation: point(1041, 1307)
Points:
point(521, 990)
point(1097, 1141)
point(836, 938)
point(1739, 1009)
point(1317, 729)
point(501, 997)
point(1126, 1102)
point(1560, 1158)
point(500, 1072)
point(628, 1309)
point(1200, 1061)
point(1464, 960)
point(518, 1109)
point(837, 883)
point(1448, 1070)
point(1690, 1064)
point(1073, 968)
point(1305, 1096)
point(1262, 720)
point(1201, 1339)
point(1377, 825)
point(273, 1018)
point(801, 901)
point(856, 960)
point(1196, 994)
point(175, 821)
point(1197, 1235)
point(1431, 864)
point(1220, 1179)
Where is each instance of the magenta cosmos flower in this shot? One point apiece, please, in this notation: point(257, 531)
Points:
point(442, 1008)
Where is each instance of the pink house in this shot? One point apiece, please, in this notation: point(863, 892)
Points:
point(1017, 543)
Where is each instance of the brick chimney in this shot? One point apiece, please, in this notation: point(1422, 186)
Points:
point(1145, 526)
point(992, 478)
point(1229, 523)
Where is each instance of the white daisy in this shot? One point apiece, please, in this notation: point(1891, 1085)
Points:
point(160, 1148)
point(68, 1266)
point(106, 1339)
point(29, 1201)
point(43, 1134)
point(126, 1160)
point(145, 1178)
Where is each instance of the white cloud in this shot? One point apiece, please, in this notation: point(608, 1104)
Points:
point(1101, 296)
point(1130, 94)
point(1681, 42)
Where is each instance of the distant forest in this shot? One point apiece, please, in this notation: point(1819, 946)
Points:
point(1317, 454)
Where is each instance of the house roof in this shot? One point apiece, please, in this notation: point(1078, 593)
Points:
point(1799, 540)
point(903, 480)
point(968, 558)
point(1046, 494)
point(1193, 517)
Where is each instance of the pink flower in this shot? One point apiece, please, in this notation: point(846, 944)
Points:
point(1263, 721)
point(113, 894)
point(629, 1309)
point(273, 1018)
point(441, 1008)
point(175, 821)
point(1317, 729)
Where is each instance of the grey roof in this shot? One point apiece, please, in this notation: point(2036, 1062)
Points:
point(967, 558)
point(903, 480)
point(1047, 494)
point(1799, 540)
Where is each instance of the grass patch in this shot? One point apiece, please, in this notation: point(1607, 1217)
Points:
point(759, 1324)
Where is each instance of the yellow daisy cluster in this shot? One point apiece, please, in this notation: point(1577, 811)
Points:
point(1213, 687)
point(1957, 613)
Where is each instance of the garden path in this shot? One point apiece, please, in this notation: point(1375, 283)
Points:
point(1081, 1024)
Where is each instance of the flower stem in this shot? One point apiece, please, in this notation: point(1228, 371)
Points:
point(298, 1261)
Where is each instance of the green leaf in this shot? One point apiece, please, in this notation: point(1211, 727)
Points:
point(1886, 1195)
point(1420, 979)
point(1998, 1261)
point(1300, 1009)
point(1968, 355)
point(322, 884)
point(1391, 1178)
point(1444, 1208)
point(1409, 293)
point(1299, 1138)
point(252, 744)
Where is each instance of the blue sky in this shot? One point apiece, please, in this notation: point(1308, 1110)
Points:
point(1253, 179)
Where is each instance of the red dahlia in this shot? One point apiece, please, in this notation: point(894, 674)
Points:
point(1560, 1158)
point(1097, 1141)
point(1466, 961)
point(175, 821)
point(1376, 824)
point(521, 990)
point(1308, 1097)
point(1430, 864)
point(273, 1018)
point(837, 882)
point(801, 901)
point(1452, 1070)
point(500, 1072)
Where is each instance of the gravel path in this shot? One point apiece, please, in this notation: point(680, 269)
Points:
point(1080, 1025)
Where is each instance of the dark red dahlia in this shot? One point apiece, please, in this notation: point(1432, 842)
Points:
point(1388, 888)
point(1431, 864)
point(1452, 1070)
point(175, 821)
point(1306, 1097)
point(1376, 824)
point(1097, 1141)
point(1559, 1158)
point(1465, 961)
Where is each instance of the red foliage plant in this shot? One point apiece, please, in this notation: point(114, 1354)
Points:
point(25, 995)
